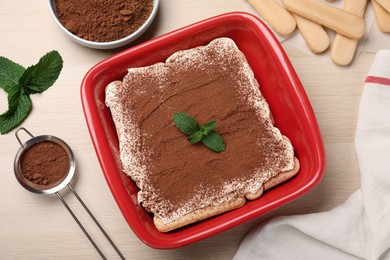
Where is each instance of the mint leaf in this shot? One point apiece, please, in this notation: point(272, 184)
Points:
point(195, 137)
point(185, 123)
point(207, 127)
point(8, 121)
point(13, 100)
point(19, 83)
point(41, 76)
point(214, 141)
point(196, 133)
point(10, 72)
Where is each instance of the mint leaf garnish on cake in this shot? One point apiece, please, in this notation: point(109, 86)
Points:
point(199, 133)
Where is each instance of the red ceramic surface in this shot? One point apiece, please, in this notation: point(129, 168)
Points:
point(278, 83)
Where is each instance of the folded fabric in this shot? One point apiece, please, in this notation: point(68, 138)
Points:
point(360, 227)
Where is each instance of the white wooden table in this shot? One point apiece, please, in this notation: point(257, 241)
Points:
point(39, 227)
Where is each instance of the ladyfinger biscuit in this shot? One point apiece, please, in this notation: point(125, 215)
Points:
point(198, 215)
point(283, 176)
point(384, 3)
point(329, 16)
point(314, 34)
point(382, 17)
point(276, 16)
point(344, 48)
point(276, 180)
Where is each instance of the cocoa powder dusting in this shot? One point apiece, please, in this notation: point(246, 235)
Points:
point(45, 163)
point(212, 83)
point(103, 20)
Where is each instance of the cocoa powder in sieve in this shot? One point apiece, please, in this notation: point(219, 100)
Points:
point(45, 163)
point(103, 20)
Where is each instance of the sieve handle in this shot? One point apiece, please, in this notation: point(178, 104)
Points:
point(96, 222)
point(17, 134)
point(81, 226)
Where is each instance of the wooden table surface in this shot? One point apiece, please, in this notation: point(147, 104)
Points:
point(39, 227)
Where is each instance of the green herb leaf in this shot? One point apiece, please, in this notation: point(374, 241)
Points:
point(196, 133)
point(10, 72)
point(13, 100)
point(19, 83)
point(207, 127)
point(42, 75)
point(8, 121)
point(214, 141)
point(195, 137)
point(185, 123)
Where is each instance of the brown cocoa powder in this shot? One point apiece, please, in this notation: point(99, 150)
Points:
point(45, 163)
point(208, 84)
point(103, 20)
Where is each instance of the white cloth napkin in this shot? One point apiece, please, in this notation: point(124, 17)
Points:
point(359, 228)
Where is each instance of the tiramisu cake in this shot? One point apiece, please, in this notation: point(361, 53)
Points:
point(182, 183)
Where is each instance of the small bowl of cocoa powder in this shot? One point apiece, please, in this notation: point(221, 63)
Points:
point(102, 24)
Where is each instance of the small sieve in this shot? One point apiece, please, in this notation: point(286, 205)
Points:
point(57, 186)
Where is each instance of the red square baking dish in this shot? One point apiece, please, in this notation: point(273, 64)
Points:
point(280, 86)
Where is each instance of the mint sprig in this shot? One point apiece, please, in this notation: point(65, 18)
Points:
point(196, 132)
point(19, 83)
